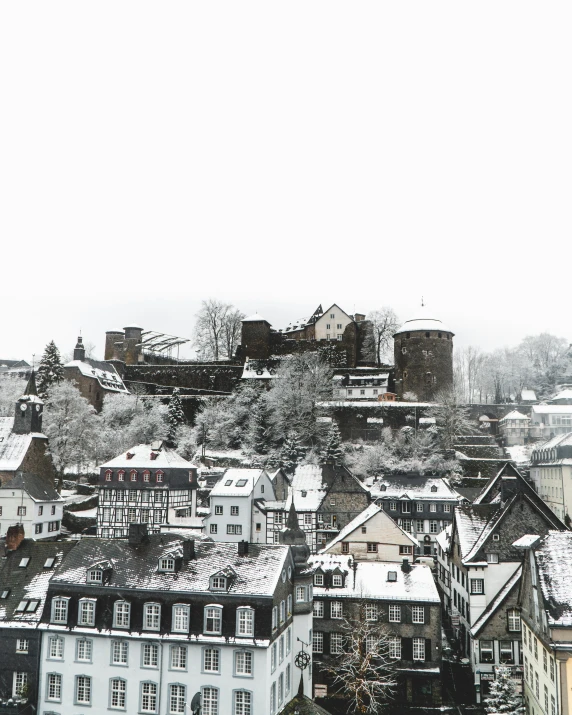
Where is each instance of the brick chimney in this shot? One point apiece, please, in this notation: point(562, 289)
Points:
point(406, 566)
point(14, 537)
point(137, 534)
point(243, 548)
point(189, 550)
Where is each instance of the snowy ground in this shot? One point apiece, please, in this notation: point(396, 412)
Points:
point(520, 453)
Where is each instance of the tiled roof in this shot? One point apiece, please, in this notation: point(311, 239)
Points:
point(104, 372)
point(412, 487)
point(13, 447)
point(39, 489)
point(554, 560)
point(136, 566)
point(142, 458)
point(470, 523)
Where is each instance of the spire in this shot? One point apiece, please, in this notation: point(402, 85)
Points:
point(292, 523)
point(294, 537)
point(79, 350)
point(31, 388)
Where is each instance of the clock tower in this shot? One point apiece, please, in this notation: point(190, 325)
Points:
point(29, 410)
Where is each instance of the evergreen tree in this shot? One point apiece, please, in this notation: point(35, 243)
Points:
point(503, 697)
point(292, 452)
point(50, 371)
point(175, 417)
point(257, 435)
point(333, 450)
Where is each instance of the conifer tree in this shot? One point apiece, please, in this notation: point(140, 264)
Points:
point(175, 417)
point(503, 697)
point(257, 435)
point(292, 452)
point(50, 371)
point(333, 450)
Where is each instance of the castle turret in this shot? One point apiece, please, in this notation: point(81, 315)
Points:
point(29, 409)
point(114, 345)
point(423, 351)
point(79, 350)
point(255, 340)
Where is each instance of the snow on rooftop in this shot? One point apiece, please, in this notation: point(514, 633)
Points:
point(108, 378)
point(514, 415)
point(526, 541)
point(554, 560)
point(13, 447)
point(255, 318)
point(142, 458)
point(403, 486)
point(308, 487)
point(425, 323)
point(497, 601)
point(527, 395)
point(551, 409)
point(237, 482)
point(372, 580)
point(470, 525)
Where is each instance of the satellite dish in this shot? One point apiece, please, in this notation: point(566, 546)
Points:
point(196, 703)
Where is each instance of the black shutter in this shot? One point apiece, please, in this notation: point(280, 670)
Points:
point(427, 614)
point(428, 649)
point(327, 609)
point(326, 643)
point(407, 648)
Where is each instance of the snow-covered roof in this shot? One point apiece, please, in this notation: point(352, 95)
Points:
point(551, 409)
point(515, 415)
point(470, 524)
point(563, 395)
point(527, 395)
point(403, 486)
point(554, 562)
point(104, 373)
point(37, 488)
point(371, 580)
point(255, 318)
point(308, 487)
point(258, 372)
point(368, 513)
point(425, 323)
point(443, 538)
point(360, 405)
point(257, 572)
point(13, 447)
point(526, 541)
point(560, 440)
point(497, 602)
point(237, 482)
point(142, 458)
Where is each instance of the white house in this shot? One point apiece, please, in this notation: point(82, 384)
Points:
point(514, 428)
point(33, 502)
point(547, 421)
point(551, 473)
point(360, 387)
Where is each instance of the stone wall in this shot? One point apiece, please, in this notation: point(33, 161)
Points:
point(203, 376)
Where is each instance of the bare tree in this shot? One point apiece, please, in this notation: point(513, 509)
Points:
point(217, 329)
point(384, 323)
point(364, 672)
point(452, 419)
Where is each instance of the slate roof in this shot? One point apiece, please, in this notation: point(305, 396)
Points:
point(469, 523)
point(13, 447)
point(39, 489)
point(554, 563)
point(142, 458)
point(308, 488)
point(412, 487)
point(104, 372)
point(30, 582)
point(371, 580)
point(135, 567)
point(497, 602)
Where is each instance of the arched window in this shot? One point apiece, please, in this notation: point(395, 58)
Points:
point(159, 476)
point(242, 701)
point(121, 475)
point(245, 621)
point(108, 475)
point(133, 475)
point(121, 614)
point(152, 617)
point(146, 476)
point(213, 619)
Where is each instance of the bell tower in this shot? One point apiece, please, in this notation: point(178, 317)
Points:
point(29, 409)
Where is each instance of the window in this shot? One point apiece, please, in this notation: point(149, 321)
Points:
point(371, 612)
point(121, 476)
point(20, 683)
point(394, 614)
point(242, 702)
point(234, 511)
point(419, 506)
point(146, 476)
point(318, 609)
point(211, 660)
point(133, 475)
point(318, 579)
point(83, 650)
point(177, 699)
point(180, 621)
point(307, 520)
point(218, 510)
point(433, 506)
point(209, 701)
point(406, 525)
point(245, 621)
point(82, 690)
point(119, 652)
point(243, 662)
point(150, 655)
point(149, 697)
point(289, 605)
point(418, 614)
point(552, 671)
point(447, 508)
point(506, 654)
point(395, 647)
point(273, 658)
point(300, 594)
point(21, 511)
point(86, 612)
point(392, 506)
point(406, 550)
point(486, 651)
point(118, 690)
point(56, 648)
point(345, 547)
point(280, 689)
point(433, 527)
point(336, 609)
point(274, 618)
point(38, 528)
point(151, 617)
point(213, 619)
point(492, 558)
point(406, 507)
point(273, 690)
point(108, 475)
point(54, 689)
point(371, 548)
point(317, 642)
point(281, 649)
point(337, 580)
point(419, 649)
point(121, 614)
point(214, 528)
point(419, 526)
point(95, 575)
point(477, 586)
point(167, 564)
point(371, 644)
point(545, 661)
point(513, 617)
point(178, 657)
point(22, 645)
point(234, 529)
point(159, 477)
point(288, 640)
point(496, 537)
point(60, 610)
point(53, 525)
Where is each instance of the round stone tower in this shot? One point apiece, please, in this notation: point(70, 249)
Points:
point(423, 352)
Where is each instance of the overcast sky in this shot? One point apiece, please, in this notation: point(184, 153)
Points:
point(282, 155)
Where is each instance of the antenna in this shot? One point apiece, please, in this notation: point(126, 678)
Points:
point(422, 302)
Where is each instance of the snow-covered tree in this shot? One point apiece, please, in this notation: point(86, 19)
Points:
point(50, 371)
point(217, 329)
point(452, 419)
point(292, 452)
point(257, 433)
point(71, 425)
point(364, 673)
point(175, 417)
point(503, 697)
point(332, 449)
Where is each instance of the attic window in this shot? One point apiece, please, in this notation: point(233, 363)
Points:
point(49, 563)
point(433, 488)
point(167, 564)
point(24, 562)
point(32, 605)
point(5, 593)
point(496, 537)
point(153, 456)
point(382, 488)
point(392, 575)
point(218, 583)
point(21, 607)
point(228, 483)
point(304, 493)
point(241, 483)
point(130, 455)
point(95, 576)
point(337, 580)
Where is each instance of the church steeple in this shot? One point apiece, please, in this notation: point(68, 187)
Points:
point(294, 537)
point(29, 409)
point(79, 350)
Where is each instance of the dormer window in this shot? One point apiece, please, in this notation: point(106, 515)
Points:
point(392, 575)
point(60, 610)
point(433, 488)
point(167, 564)
point(218, 583)
point(213, 620)
point(121, 475)
point(337, 580)
point(153, 456)
point(146, 476)
point(133, 475)
point(159, 476)
point(129, 455)
point(382, 488)
point(108, 475)
point(318, 579)
point(304, 493)
point(95, 575)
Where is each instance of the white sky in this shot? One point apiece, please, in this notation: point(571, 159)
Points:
point(282, 155)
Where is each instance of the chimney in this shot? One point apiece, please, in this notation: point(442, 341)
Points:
point(509, 487)
point(406, 566)
point(137, 534)
point(243, 548)
point(189, 550)
point(14, 537)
